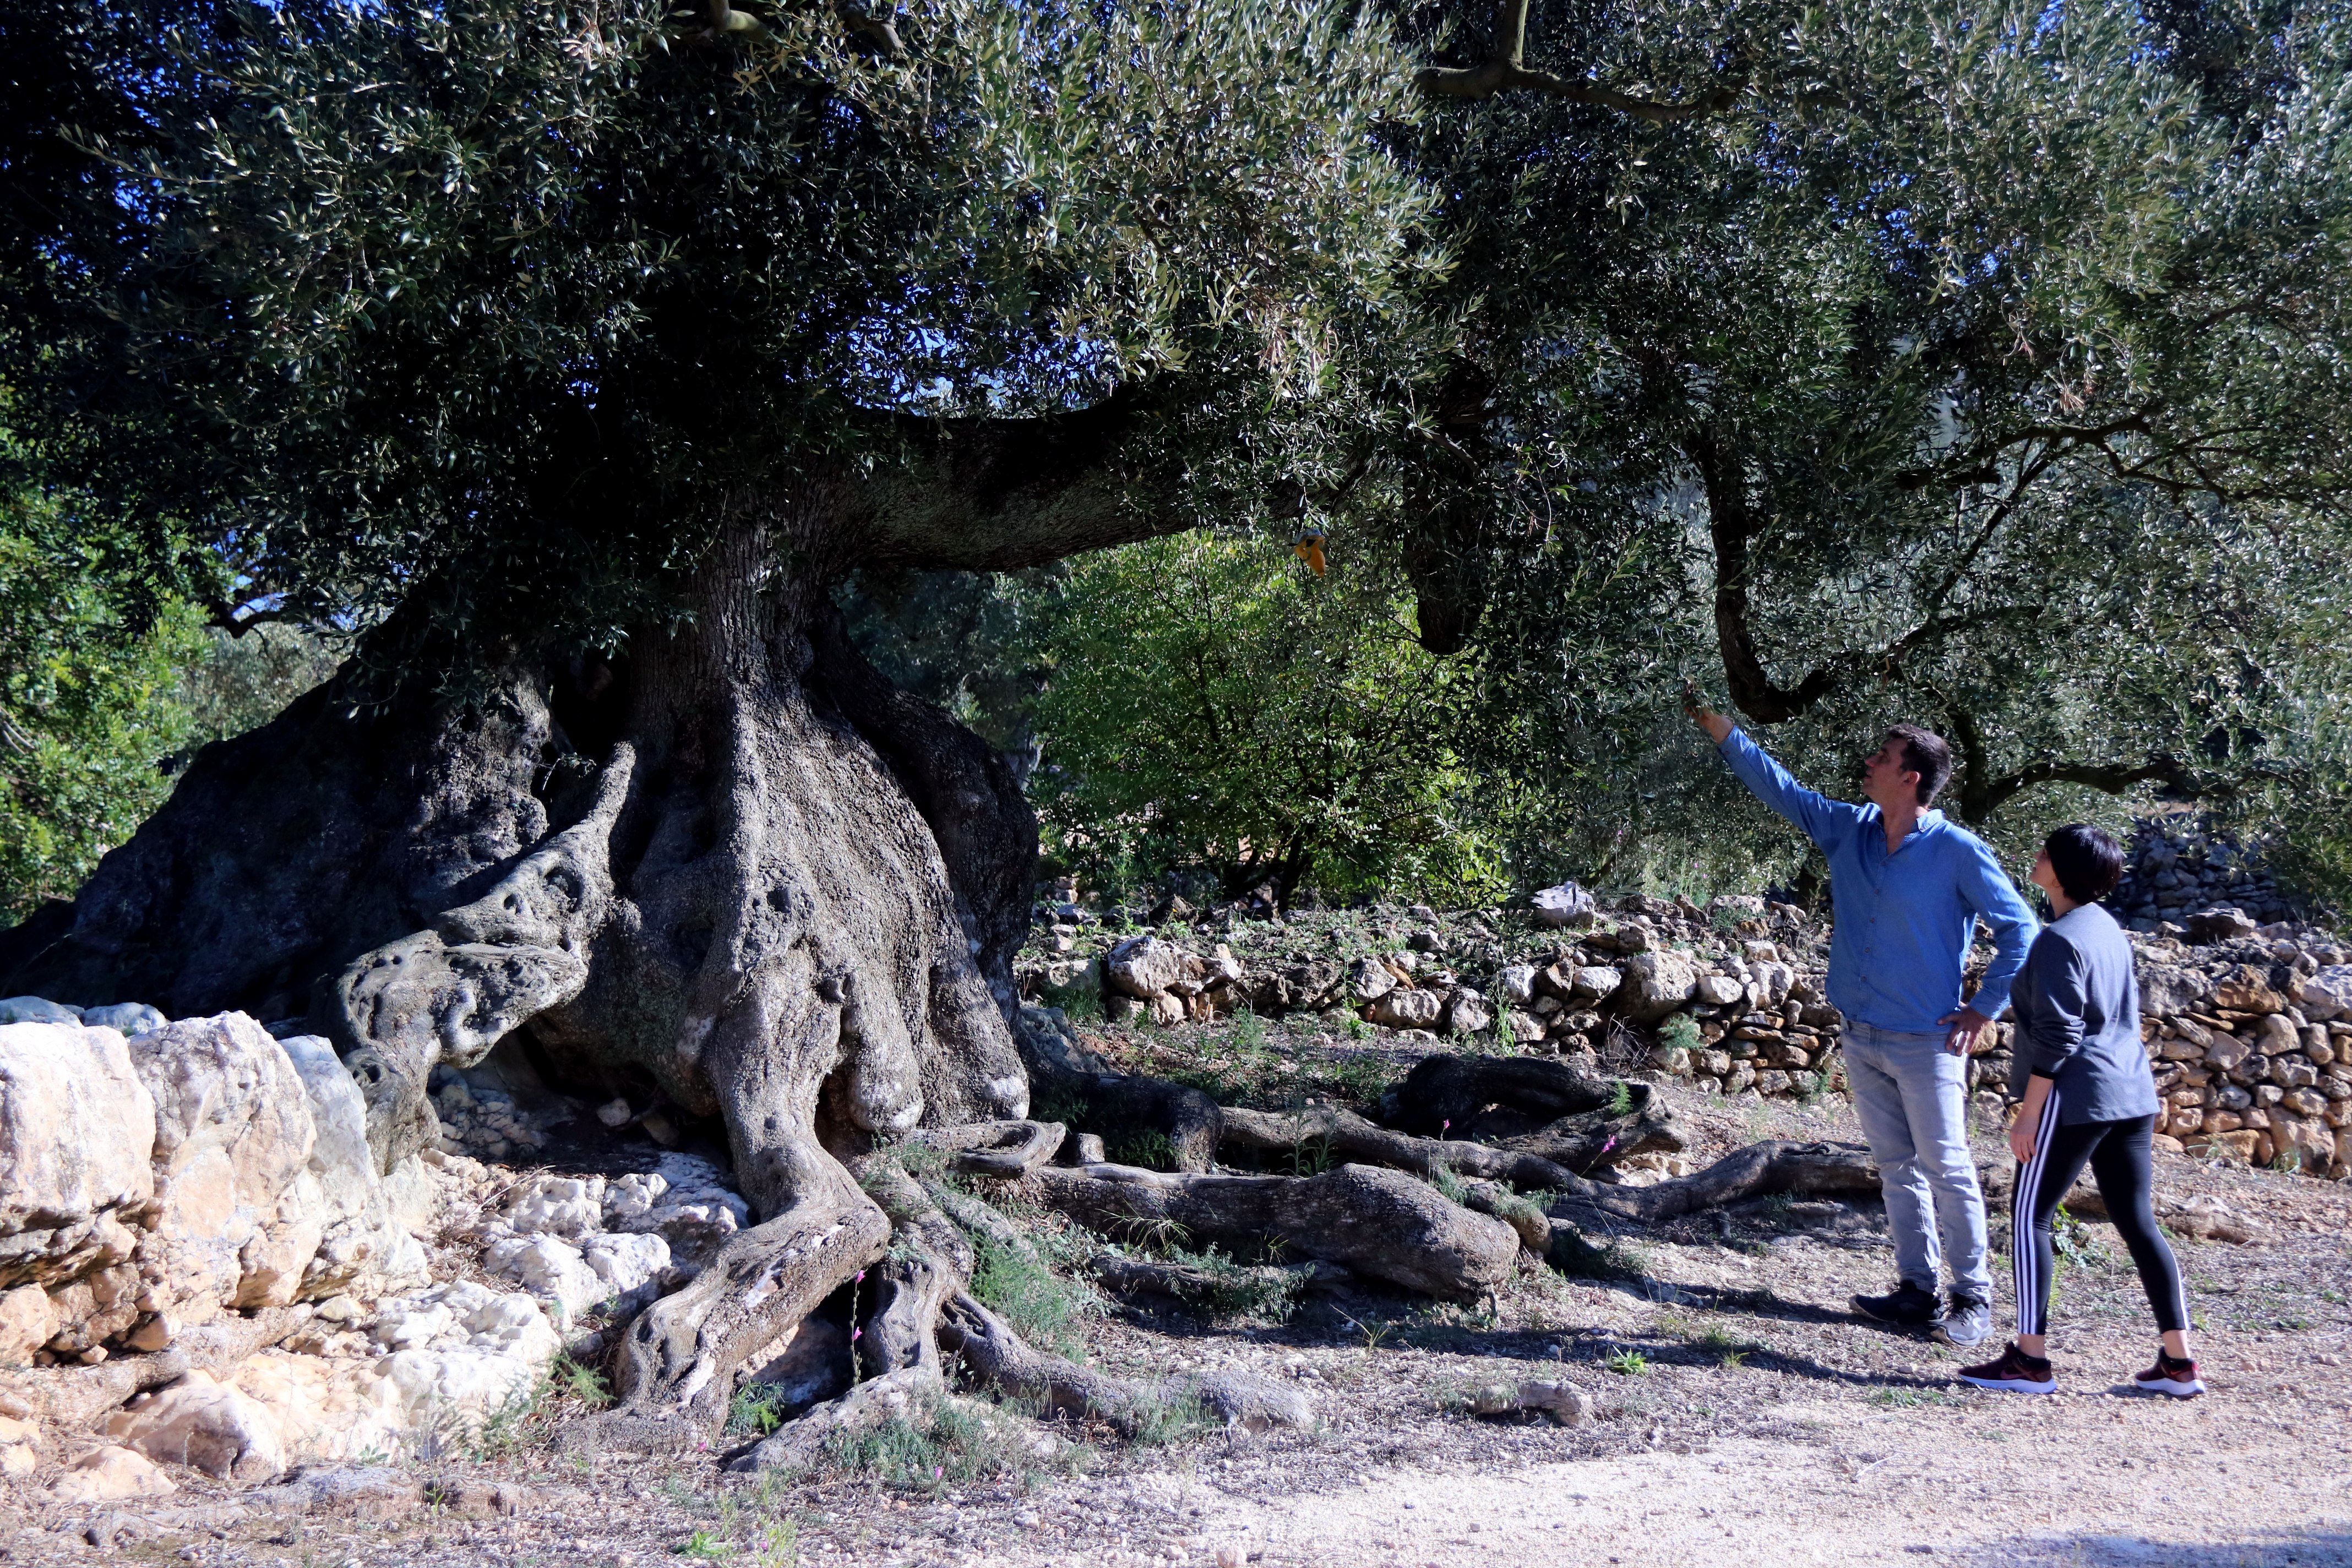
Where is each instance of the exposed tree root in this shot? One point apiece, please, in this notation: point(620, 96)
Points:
point(1776, 1165)
point(1020, 1370)
point(677, 1362)
point(799, 1444)
point(1007, 1149)
point(1377, 1223)
point(1333, 1132)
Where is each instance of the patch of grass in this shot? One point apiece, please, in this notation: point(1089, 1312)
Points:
point(940, 1444)
point(1043, 1308)
point(1151, 1149)
point(703, 1544)
point(1913, 1398)
point(1056, 1104)
point(1443, 1177)
point(1359, 1081)
point(570, 1379)
point(1237, 1291)
point(1727, 1349)
point(779, 1545)
point(1627, 1363)
point(1165, 1417)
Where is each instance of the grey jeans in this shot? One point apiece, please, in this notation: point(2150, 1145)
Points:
point(1912, 1097)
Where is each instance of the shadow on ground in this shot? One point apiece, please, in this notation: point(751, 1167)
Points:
point(2327, 1547)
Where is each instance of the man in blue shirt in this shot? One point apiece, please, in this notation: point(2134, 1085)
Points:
point(1907, 888)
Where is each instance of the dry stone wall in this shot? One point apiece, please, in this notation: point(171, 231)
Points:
point(2249, 1026)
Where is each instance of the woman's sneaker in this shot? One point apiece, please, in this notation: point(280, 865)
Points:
point(2177, 1378)
point(2015, 1370)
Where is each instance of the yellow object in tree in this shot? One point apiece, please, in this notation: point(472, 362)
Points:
point(1308, 547)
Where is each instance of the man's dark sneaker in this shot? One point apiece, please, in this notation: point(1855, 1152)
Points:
point(1907, 1307)
point(2177, 1378)
point(1967, 1321)
point(2015, 1372)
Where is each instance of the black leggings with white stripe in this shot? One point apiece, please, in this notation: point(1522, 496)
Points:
point(2118, 1154)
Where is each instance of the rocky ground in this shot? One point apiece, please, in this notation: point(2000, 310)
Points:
point(1736, 1406)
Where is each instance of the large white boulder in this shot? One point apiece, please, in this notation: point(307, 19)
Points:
point(203, 1422)
point(1564, 905)
point(363, 1248)
point(569, 1207)
point(76, 1127)
point(240, 1215)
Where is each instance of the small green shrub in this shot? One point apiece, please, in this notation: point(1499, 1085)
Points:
point(1621, 1097)
point(1042, 1306)
point(756, 1410)
point(703, 1544)
point(1680, 1032)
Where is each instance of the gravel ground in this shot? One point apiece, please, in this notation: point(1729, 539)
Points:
point(1742, 1412)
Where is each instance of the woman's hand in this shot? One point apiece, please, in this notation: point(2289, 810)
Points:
point(2023, 1130)
point(2025, 1126)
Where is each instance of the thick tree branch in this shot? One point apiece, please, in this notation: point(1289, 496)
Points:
point(1731, 525)
point(1505, 71)
point(1980, 794)
point(992, 495)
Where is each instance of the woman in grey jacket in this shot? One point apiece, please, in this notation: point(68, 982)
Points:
point(2085, 1094)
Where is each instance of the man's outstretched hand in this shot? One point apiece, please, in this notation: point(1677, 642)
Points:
point(1716, 725)
point(1963, 1027)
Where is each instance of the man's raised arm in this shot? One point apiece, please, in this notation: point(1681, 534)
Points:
point(1815, 815)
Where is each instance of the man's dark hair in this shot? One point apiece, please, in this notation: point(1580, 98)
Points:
point(1924, 753)
point(2088, 861)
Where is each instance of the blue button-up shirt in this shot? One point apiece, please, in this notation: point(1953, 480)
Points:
point(1903, 920)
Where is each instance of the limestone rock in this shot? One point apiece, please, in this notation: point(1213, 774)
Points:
point(1516, 984)
point(1467, 1011)
point(76, 1127)
point(362, 1243)
point(37, 1010)
point(2247, 989)
point(109, 1474)
point(20, 1447)
point(1400, 1008)
point(684, 1200)
point(1656, 983)
point(125, 1018)
point(2326, 992)
point(240, 1215)
point(604, 1268)
point(558, 1206)
point(1144, 967)
point(1369, 980)
point(27, 1319)
point(1564, 905)
point(2168, 990)
point(1597, 981)
point(206, 1424)
point(1719, 990)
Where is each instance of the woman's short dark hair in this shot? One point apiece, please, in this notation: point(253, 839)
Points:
point(2088, 861)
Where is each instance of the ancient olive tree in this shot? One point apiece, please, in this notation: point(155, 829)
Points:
point(566, 356)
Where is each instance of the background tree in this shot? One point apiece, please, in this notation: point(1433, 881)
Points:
point(1228, 711)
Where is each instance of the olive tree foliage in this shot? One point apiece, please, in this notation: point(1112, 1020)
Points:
point(502, 309)
point(1982, 368)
